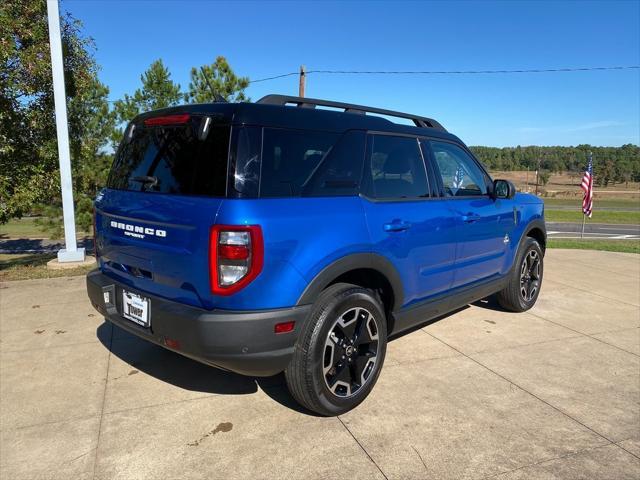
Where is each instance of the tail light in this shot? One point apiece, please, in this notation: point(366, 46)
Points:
point(236, 254)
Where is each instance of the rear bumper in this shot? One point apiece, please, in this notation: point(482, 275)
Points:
point(239, 341)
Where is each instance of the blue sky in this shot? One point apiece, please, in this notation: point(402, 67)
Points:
point(261, 39)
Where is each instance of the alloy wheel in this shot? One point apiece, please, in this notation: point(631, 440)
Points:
point(350, 352)
point(530, 275)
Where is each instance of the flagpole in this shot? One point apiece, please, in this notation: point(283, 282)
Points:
point(584, 217)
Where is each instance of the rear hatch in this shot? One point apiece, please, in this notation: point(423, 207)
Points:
point(165, 187)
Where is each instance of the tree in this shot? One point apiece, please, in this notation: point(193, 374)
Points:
point(158, 91)
point(221, 78)
point(544, 177)
point(28, 144)
point(624, 161)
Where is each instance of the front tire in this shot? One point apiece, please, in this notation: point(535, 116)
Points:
point(525, 279)
point(340, 350)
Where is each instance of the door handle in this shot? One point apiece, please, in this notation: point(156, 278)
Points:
point(470, 218)
point(396, 226)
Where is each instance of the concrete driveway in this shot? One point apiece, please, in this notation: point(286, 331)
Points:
point(553, 393)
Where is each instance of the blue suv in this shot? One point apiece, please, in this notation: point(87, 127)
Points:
point(298, 235)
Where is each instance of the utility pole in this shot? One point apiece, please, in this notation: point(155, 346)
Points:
point(303, 79)
point(71, 252)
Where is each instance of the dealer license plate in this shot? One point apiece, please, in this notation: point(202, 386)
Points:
point(136, 308)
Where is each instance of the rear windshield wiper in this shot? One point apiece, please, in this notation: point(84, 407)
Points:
point(146, 179)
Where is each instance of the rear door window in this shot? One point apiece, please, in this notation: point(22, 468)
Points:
point(396, 169)
point(188, 158)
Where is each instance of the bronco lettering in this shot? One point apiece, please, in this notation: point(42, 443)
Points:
point(140, 232)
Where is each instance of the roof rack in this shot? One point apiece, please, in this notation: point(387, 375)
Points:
point(304, 102)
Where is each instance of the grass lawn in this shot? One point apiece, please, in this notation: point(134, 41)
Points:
point(22, 228)
point(26, 228)
point(612, 203)
point(628, 246)
point(33, 265)
point(602, 216)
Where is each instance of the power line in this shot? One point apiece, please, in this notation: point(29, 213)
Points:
point(443, 72)
point(450, 72)
point(273, 78)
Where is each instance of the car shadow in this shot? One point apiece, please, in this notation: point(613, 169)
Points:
point(183, 372)
point(173, 368)
point(426, 323)
point(38, 245)
point(489, 303)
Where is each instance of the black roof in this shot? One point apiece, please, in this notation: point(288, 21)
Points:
point(297, 112)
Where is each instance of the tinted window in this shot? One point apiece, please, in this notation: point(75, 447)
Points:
point(340, 171)
point(289, 159)
point(244, 162)
point(173, 159)
point(396, 168)
point(461, 175)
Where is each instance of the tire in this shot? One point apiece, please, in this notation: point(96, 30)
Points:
point(525, 280)
point(343, 339)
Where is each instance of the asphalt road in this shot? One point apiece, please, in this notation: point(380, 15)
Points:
point(593, 230)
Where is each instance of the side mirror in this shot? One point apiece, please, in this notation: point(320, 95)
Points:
point(503, 189)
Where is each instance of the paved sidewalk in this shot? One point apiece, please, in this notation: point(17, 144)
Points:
point(552, 393)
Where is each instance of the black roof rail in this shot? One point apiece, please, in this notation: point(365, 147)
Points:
point(304, 102)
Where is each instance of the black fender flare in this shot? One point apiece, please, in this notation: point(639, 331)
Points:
point(351, 262)
point(533, 224)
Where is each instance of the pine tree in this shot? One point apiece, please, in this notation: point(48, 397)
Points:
point(220, 77)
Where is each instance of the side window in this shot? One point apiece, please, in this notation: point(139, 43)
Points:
point(289, 159)
point(461, 175)
point(396, 168)
point(244, 161)
point(339, 172)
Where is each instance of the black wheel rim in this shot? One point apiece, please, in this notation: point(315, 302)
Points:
point(530, 276)
point(350, 352)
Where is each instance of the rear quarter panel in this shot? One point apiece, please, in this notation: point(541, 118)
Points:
point(301, 237)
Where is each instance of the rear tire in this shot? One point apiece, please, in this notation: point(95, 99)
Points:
point(340, 350)
point(525, 279)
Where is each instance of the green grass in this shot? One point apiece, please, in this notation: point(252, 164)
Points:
point(33, 265)
point(612, 203)
point(25, 228)
point(601, 216)
point(627, 246)
point(22, 228)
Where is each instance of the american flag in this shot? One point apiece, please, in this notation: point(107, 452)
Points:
point(587, 187)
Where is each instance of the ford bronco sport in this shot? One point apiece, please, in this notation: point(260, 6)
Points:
point(298, 235)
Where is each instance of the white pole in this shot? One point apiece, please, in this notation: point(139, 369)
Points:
point(71, 253)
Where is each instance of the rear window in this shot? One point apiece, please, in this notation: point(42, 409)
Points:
point(187, 159)
point(270, 162)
